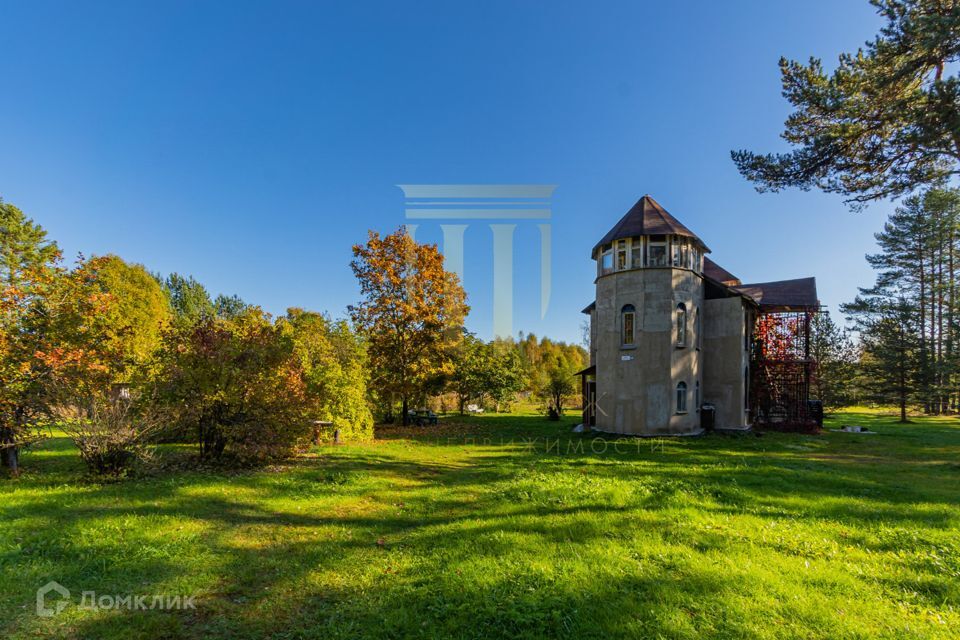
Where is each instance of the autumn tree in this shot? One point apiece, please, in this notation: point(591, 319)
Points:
point(411, 313)
point(540, 356)
point(467, 379)
point(556, 385)
point(138, 313)
point(334, 363)
point(239, 385)
point(884, 122)
point(52, 351)
point(485, 370)
point(504, 373)
point(28, 263)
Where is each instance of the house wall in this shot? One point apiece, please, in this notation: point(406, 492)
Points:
point(725, 359)
point(636, 385)
point(593, 337)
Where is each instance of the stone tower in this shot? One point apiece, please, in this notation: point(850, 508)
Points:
point(646, 326)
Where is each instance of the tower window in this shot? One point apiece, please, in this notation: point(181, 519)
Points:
point(606, 260)
point(657, 251)
point(621, 255)
point(681, 397)
point(628, 317)
point(681, 325)
point(637, 253)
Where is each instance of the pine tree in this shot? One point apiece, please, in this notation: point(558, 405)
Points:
point(24, 247)
point(884, 122)
point(889, 340)
point(913, 304)
point(832, 347)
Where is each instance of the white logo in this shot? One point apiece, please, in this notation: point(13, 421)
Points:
point(496, 203)
point(42, 609)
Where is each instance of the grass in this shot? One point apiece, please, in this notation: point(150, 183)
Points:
point(508, 526)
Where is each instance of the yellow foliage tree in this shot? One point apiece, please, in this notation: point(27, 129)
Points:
point(411, 313)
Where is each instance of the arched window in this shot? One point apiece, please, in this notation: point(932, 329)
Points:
point(681, 397)
point(681, 325)
point(628, 328)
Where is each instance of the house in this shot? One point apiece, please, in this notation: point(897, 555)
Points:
point(678, 344)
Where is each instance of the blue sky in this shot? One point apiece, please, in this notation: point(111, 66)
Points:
point(251, 144)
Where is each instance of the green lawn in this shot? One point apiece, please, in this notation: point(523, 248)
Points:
point(458, 532)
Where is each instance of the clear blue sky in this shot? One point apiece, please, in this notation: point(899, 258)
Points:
point(250, 144)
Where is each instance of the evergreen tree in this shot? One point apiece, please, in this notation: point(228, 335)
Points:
point(907, 320)
point(890, 341)
point(836, 355)
point(24, 247)
point(884, 122)
point(189, 299)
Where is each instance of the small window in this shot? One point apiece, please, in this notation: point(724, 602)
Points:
point(696, 396)
point(628, 323)
point(676, 253)
point(607, 262)
point(681, 397)
point(681, 325)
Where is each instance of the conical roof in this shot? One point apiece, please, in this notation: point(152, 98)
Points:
point(646, 218)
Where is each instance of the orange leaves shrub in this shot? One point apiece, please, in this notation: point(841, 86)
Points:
point(238, 386)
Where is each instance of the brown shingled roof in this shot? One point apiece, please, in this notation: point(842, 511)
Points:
point(715, 272)
point(646, 218)
point(784, 294)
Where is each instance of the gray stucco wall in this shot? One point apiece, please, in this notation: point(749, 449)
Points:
point(636, 393)
point(593, 337)
point(725, 358)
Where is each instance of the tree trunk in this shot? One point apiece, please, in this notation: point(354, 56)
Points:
point(405, 418)
point(940, 299)
point(903, 379)
point(951, 306)
point(921, 272)
point(10, 453)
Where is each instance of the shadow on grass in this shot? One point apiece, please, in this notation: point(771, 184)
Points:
point(411, 537)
